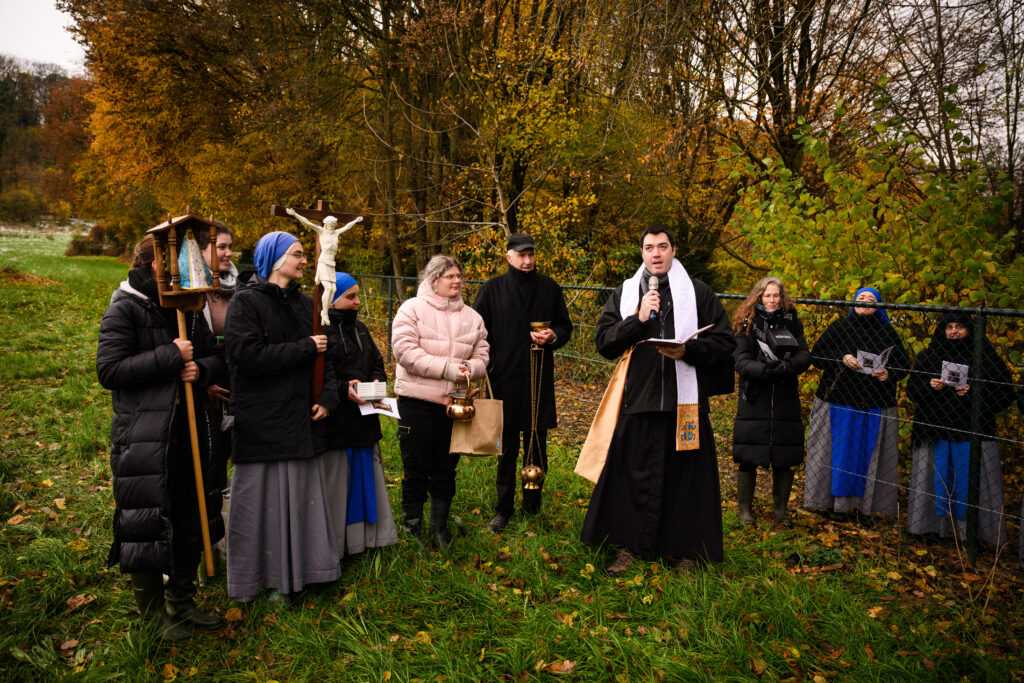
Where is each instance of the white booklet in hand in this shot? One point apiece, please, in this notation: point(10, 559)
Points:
point(385, 406)
point(678, 342)
point(767, 351)
point(873, 362)
point(955, 374)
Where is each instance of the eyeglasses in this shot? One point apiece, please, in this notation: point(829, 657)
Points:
point(452, 278)
point(299, 254)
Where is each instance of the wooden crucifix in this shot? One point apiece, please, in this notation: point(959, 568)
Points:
point(326, 233)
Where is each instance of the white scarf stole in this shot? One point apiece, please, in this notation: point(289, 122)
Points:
point(684, 314)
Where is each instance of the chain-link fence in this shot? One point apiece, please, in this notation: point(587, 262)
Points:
point(902, 418)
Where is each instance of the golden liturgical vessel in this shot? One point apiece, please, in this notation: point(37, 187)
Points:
point(532, 477)
point(460, 406)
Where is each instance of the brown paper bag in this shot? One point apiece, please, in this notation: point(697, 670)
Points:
point(482, 434)
point(599, 438)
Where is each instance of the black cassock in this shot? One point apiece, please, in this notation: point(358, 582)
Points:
point(508, 303)
point(650, 498)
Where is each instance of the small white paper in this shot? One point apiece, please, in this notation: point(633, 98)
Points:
point(871, 363)
point(385, 406)
point(767, 351)
point(955, 374)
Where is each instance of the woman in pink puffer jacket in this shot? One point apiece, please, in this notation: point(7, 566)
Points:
point(438, 342)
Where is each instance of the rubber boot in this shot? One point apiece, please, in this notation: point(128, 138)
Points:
point(412, 520)
point(439, 510)
point(148, 588)
point(782, 484)
point(745, 482)
point(180, 604)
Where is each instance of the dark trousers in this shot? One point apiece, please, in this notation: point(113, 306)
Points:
point(424, 438)
point(508, 470)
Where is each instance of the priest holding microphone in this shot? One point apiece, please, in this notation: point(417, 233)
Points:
point(650, 450)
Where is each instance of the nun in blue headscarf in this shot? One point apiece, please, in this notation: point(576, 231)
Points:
point(359, 505)
point(853, 434)
point(280, 536)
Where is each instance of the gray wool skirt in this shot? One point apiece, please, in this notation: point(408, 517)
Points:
point(880, 492)
point(355, 538)
point(921, 513)
point(280, 534)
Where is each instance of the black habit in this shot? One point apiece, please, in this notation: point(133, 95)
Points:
point(650, 498)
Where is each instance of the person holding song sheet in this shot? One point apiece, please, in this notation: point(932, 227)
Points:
point(771, 352)
point(853, 436)
point(942, 386)
point(359, 504)
point(651, 450)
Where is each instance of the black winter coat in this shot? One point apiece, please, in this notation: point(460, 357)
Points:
point(769, 429)
point(651, 380)
point(944, 414)
point(138, 362)
point(839, 384)
point(267, 331)
point(354, 355)
point(508, 304)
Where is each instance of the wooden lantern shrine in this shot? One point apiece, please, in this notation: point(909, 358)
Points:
point(167, 238)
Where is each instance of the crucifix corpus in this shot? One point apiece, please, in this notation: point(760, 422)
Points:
point(326, 250)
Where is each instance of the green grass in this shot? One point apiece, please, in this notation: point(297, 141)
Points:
point(861, 605)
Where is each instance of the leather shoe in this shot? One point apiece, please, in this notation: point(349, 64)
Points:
point(622, 562)
point(498, 523)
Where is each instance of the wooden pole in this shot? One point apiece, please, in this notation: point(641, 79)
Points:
point(197, 466)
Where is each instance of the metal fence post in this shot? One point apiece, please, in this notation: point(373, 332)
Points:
point(974, 477)
point(391, 311)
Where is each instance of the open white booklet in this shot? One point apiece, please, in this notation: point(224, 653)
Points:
point(678, 342)
point(955, 374)
point(873, 362)
point(384, 406)
point(767, 351)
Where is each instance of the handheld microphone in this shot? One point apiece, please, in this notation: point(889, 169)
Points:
point(652, 284)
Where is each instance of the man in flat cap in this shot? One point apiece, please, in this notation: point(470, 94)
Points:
point(509, 304)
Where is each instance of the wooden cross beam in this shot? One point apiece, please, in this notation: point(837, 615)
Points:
point(322, 211)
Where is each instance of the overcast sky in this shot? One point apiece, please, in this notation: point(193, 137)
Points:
point(34, 30)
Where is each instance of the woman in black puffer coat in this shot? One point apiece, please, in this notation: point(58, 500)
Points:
point(769, 430)
point(156, 520)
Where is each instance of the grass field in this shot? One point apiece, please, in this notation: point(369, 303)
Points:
point(820, 602)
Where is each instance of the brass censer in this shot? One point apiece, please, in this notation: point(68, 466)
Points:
point(532, 477)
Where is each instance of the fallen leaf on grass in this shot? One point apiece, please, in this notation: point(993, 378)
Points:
point(233, 614)
point(50, 513)
point(16, 520)
point(68, 644)
point(869, 652)
point(61, 503)
point(757, 666)
point(563, 667)
point(169, 672)
point(874, 612)
point(422, 638)
point(76, 601)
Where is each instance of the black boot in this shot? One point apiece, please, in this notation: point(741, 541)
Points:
point(412, 520)
point(439, 510)
point(180, 604)
point(745, 483)
point(782, 484)
point(148, 588)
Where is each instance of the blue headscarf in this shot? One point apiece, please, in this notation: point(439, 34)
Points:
point(269, 249)
point(343, 282)
point(879, 313)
